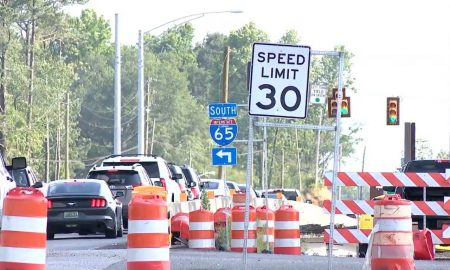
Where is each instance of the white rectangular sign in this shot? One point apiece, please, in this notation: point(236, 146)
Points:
point(318, 94)
point(279, 80)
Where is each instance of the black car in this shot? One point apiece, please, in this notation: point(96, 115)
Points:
point(83, 206)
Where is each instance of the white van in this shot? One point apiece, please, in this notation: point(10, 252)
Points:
point(6, 184)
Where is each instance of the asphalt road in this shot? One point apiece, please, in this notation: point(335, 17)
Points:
point(97, 253)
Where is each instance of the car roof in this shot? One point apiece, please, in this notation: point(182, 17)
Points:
point(211, 180)
point(132, 158)
point(134, 167)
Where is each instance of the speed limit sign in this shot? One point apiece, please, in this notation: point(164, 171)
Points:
point(279, 80)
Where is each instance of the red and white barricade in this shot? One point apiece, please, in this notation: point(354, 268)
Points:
point(386, 179)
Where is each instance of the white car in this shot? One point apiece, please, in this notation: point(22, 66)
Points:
point(216, 185)
point(6, 184)
point(156, 168)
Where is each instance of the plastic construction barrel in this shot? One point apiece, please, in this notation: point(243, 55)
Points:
point(180, 225)
point(148, 233)
point(265, 223)
point(287, 231)
point(237, 229)
point(239, 199)
point(221, 215)
point(201, 230)
point(24, 230)
point(392, 244)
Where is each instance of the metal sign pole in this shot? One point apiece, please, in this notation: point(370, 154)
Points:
point(336, 162)
point(247, 190)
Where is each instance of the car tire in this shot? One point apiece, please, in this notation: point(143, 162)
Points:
point(120, 230)
point(111, 233)
point(50, 236)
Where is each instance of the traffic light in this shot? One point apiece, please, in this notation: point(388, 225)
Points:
point(345, 107)
point(393, 111)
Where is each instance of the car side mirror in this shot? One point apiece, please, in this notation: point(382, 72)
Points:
point(37, 185)
point(158, 184)
point(19, 163)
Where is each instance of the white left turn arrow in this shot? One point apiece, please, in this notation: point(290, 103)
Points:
point(221, 154)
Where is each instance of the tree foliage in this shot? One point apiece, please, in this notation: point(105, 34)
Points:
point(75, 55)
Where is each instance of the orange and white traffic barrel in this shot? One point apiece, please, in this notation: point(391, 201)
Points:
point(239, 199)
point(220, 217)
point(24, 230)
point(392, 244)
point(148, 233)
point(201, 230)
point(238, 227)
point(265, 223)
point(179, 225)
point(287, 231)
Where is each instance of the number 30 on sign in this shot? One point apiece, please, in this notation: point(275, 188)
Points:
point(279, 80)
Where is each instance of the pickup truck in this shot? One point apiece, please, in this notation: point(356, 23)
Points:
point(24, 175)
point(431, 193)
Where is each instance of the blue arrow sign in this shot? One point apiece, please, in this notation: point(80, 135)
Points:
point(221, 110)
point(224, 156)
point(223, 131)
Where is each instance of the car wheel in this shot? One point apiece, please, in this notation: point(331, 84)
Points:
point(50, 236)
point(120, 231)
point(111, 233)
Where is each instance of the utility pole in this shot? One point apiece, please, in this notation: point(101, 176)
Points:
point(282, 168)
point(140, 94)
point(117, 93)
point(300, 184)
point(47, 160)
point(147, 116)
point(226, 68)
point(316, 183)
point(67, 136)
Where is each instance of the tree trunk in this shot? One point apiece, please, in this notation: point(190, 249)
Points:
point(3, 86)
point(30, 52)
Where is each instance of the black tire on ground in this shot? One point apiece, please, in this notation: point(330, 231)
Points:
point(111, 233)
point(120, 230)
point(50, 236)
point(125, 223)
point(362, 250)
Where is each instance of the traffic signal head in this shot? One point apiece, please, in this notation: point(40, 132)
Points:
point(393, 111)
point(345, 107)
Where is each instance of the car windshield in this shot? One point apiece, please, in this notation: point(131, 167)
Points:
point(20, 177)
point(210, 185)
point(230, 185)
point(117, 178)
point(151, 167)
point(68, 188)
point(428, 166)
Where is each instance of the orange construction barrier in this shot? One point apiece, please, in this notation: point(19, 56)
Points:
point(24, 230)
point(237, 229)
point(201, 230)
point(392, 244)
point(238, 199)
point(148, 233)
point(265, 223)
point(179, 225)
point(423, 245)
point(150, 190)
point(287, 231)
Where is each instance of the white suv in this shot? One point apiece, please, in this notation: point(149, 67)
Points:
point(6, 184)
point(156, 168)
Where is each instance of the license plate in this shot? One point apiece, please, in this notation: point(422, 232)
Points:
point(72, 214)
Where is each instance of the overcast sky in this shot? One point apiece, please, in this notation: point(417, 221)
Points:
point(401, 48)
